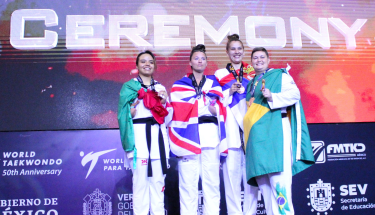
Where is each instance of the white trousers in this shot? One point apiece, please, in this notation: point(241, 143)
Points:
point(277, 187)
point(234, 170)
point(148, 192)
point(207, 166)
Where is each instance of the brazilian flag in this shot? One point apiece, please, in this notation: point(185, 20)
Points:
point(264, 133)
point(128, 93)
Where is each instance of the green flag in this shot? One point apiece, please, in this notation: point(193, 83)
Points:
point(264, 133)
point(128, 93)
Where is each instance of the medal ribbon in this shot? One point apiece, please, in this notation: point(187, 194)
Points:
point(152, 86)
point(253, 86)
point(198, 88)
point(231, 69)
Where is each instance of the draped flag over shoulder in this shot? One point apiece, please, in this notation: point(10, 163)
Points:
point(264, 133)
point(183, 129)
point(128, 93)
point(237, 102)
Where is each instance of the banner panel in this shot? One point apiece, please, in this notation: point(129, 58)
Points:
point(80, 172)
point(63, 62)
point(342, 180)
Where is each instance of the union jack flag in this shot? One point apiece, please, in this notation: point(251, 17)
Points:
point(183, 129)
point(238, 103)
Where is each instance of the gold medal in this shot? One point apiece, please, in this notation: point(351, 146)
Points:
point(241, 90)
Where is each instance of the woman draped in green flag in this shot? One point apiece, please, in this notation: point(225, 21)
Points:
point(142, 115)
point(277, 140)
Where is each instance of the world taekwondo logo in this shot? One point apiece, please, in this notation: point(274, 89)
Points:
point(97, 203)
point(321, 197)
point(93, 157)
point(319, 151)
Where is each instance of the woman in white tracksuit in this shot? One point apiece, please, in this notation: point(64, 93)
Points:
point(234, 79)
point(204, 160)
point(151, 142)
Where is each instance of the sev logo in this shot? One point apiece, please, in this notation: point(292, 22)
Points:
point(144, 162)
point(321, 196)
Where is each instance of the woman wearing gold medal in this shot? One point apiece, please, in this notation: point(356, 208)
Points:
point(234, 80)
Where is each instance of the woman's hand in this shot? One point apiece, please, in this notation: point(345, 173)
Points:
point(212, 109)
point(235, 88)
point(163, 96)
point(133, 111)
point(267, 94)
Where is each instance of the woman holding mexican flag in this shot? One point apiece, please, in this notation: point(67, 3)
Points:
point(142, 116)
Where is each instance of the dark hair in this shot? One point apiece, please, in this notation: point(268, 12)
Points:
point(145, 52)
point(233, 37)
point(257, 49)
point(198, 48)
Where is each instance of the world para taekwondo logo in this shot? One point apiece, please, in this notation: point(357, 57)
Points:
point(93, 157)
point(321, 197)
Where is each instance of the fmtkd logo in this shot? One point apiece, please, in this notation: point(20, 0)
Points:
point(346, 150)
point(338, 152)
point(319, 151)
point(321, 197)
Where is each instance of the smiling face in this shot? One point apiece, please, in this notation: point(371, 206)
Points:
point(235, 52)
point(198, 62)
point(146, 65)
point(260, 62)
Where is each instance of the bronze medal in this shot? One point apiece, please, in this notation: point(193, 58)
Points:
point(250, 102)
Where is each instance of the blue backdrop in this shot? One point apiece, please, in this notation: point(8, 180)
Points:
point(82, 172)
